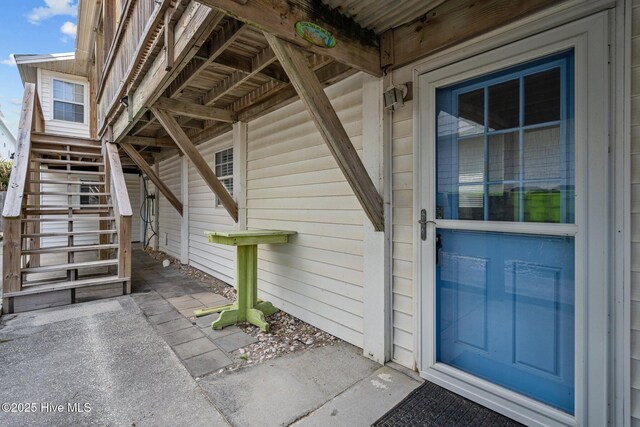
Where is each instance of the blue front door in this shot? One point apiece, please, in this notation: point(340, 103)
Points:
point(505, 299)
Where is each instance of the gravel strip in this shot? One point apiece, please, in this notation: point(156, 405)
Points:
point(287, 334)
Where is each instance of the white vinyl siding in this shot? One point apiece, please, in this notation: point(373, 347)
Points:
point(45, 91)
point(133, 189)
point(170, 219)
point(62, 200)
point(402, 231)
point(635, 216)
point(294, 183)
point(205, 215)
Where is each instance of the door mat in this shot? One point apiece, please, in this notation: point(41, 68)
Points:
point(432, 405)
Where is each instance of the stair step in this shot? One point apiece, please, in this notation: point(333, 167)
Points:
point(69, 162)
point(53, 181)
point(71, 266)
point(58, 286)
point(44, 138)
point(70, 172)
point(72, 219)
point(94, 211)
point(79, 248)
point(52, 151)
point(65, 193)
point(68, 233)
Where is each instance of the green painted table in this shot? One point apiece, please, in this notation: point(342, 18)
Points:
point(247, 308)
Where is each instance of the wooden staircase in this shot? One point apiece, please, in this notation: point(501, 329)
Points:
point(67, 217)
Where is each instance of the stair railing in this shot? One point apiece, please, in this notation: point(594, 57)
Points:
point(117, 186)
point(31, 119)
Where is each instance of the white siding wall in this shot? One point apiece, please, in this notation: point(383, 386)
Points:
point(293, 183)
point(133, 188)
point(61, 200)
point(170, 219)
point(635, 216)
point(402, 232)
point(45, 91)
point(204, 215)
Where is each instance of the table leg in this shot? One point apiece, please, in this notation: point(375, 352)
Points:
point(246, 309)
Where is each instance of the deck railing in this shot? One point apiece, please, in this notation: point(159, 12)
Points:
point(117, 186)
point(139, 26)
point(31, 120)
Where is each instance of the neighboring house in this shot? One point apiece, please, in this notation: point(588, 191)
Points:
point(483, 230)
point(7, 140)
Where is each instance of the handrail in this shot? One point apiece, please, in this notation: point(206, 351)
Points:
point(118, 184)
point(31, 115)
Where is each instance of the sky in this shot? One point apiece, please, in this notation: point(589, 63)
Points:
point(31, 26)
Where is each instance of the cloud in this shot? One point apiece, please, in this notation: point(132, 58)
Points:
point(53, 8)
point(15, 101)
point(11, 61)
point(69, 29)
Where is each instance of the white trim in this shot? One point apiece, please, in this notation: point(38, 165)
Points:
point(589, 39)
point(240, 172)
point(184, 224)
point(621, 221)
point(49, 57)
point(376, 140)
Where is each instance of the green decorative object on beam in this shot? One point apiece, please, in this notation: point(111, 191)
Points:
point(315, 34)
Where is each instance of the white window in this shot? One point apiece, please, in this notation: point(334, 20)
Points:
point(224, 168)
point(68, 101)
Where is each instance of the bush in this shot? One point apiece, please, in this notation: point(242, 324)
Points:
point(5, 173)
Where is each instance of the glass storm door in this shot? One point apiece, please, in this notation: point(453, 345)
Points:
point(505, 291)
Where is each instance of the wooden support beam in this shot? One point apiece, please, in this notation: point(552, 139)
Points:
point(310, 90)
point(210, 51)
point(124, 251)
point(189, 149)
point(450, 23)
point(272, 96)
point(263, 59)
point(11, 259)
point(197, 111)
point(146, 169)
point(232, 63)
point(279, 17)
point(150, 142)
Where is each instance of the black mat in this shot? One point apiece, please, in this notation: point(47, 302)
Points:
point(432, 405)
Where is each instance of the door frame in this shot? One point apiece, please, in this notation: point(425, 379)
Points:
point(589, 39)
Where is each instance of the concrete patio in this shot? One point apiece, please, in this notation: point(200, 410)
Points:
point(140, 360)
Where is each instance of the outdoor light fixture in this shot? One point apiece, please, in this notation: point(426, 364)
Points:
point(394, 97)
point(125, 101)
